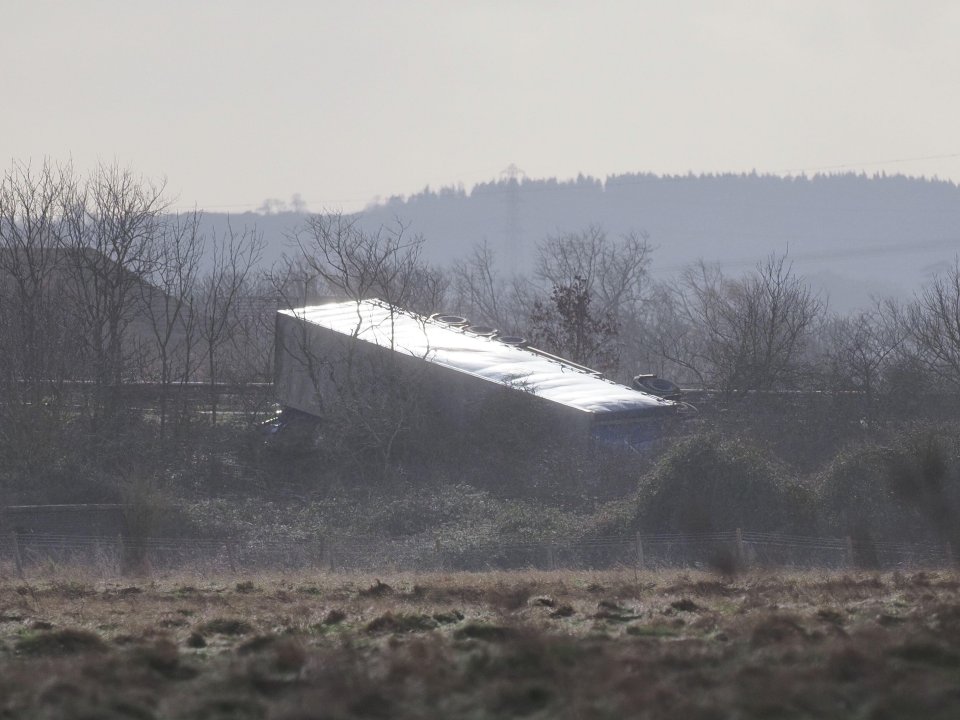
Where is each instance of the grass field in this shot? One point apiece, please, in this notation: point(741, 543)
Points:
point(535, 645)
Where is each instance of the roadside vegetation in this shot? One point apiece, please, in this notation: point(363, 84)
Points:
point(136, 354)
point(135, 360)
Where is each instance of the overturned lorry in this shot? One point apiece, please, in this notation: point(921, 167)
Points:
point(351, 353)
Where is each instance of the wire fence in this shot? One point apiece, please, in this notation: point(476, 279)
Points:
point(25, 553)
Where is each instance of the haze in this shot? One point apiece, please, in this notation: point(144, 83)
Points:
point(344, 102)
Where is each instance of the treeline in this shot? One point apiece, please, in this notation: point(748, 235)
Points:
point(819, 185)
point(103, 289)
point(102, 285)
point(764, 330)
point(853, 234)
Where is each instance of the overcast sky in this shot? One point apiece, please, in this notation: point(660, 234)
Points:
point(341, 102)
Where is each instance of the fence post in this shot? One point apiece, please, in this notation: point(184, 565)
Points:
point(851, 559)
point(232, 556)
point(17, 553)
point(949, 551)
point(741, 555)
point(640, 560)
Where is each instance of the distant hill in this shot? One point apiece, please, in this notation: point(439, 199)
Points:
point(851, 235)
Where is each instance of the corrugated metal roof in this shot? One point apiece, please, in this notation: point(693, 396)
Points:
point(550, 378)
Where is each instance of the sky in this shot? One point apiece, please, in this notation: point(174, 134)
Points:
point(342, 103)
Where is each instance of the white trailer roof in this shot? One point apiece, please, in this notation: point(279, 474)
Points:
point(553, 379)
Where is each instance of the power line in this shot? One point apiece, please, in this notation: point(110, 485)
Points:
point(853, 253)
point(872, 163)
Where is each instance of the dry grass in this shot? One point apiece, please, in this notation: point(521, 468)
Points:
point(538, 645)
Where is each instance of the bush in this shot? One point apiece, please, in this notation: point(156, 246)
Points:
point(908, 490)
point(709, 483)
point(923, 472)
point(857, 500)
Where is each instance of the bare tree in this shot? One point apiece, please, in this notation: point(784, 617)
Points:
point(34, 332)
point(860, 348)
point(567, 325)
point(612, 272)
point(933, 321)
point(606, 277)
point(167, 301)
point(754, 328)
point(357, 264)
point(233, 257)
point(248, 359)
point(368, 394)
point(429, 289)
point(672, 343)
point(482, 294)
point(111, 224)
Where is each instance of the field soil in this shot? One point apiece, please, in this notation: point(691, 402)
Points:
point(532, 645)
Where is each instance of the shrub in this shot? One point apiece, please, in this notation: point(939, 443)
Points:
point(709, 483)
point(923, 472)
point(908, 490)
point(401, 623)
point(69, 641)
point(857, 500)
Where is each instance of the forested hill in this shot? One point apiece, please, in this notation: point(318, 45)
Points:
point(852, 235)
